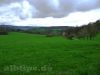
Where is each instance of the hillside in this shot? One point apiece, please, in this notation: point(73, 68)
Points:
point(48, 55)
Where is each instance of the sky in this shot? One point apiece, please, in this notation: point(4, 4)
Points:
point(49, 12)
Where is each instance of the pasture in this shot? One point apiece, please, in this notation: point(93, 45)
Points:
point(30, 54)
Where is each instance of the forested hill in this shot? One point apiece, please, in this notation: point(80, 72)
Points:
point(44, 30)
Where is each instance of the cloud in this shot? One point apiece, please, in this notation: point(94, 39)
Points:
point(86, 5)
point(22, 10)
point(61, 8)
point(57, 8)
point(50, 12)
point(73, 19)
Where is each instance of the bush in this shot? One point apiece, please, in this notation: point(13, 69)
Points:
point(3, 33)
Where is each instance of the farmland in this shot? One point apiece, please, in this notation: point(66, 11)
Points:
point(48, 55)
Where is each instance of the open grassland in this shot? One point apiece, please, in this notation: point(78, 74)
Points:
point(28, 54)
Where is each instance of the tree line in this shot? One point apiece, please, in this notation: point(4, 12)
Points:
point(3, 30)
point(83, 32)
point(88, 31)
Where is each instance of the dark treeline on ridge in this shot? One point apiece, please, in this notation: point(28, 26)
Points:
point(85, 32)
point(88, 31)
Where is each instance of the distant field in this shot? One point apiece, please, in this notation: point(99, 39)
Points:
point(28, 54)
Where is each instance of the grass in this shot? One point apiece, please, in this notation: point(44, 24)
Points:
point(28, 54)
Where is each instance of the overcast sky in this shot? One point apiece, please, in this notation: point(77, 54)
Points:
point(49, 12)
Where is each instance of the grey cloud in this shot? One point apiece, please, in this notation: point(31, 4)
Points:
point(87, 5)
point(2, 2)
point(48, 8)
point(65, 7)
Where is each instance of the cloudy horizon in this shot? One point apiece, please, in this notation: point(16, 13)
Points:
point(49, 12)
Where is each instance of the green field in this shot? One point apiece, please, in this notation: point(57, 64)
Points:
point(28, 54)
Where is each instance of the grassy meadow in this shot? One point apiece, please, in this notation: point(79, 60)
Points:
point(30, 54)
